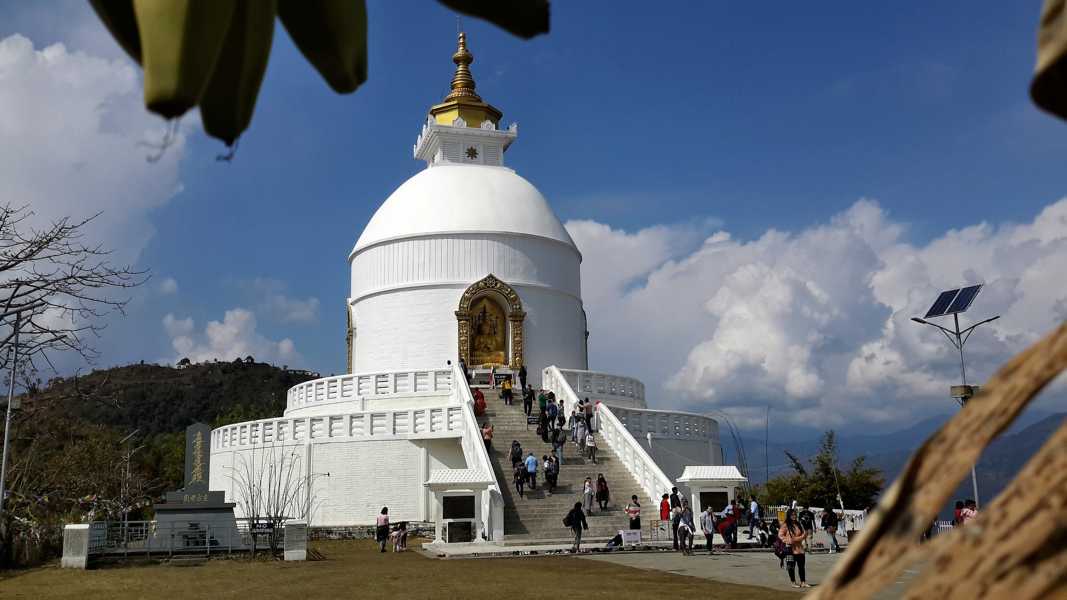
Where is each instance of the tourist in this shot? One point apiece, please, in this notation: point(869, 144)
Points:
point(552, 473)
point(664, 512)
point(587, 494)
point(479, 402)
point(381, 533)
point(590, 446)
point(520, 476)
point(542, 427)
point(633, 510)
point(487, 436)
point(686, 529)
point(588, 414)
point(572, 424)
point(527, 400)
point(579, 435)
point(506, 391)
point(969, 512)
point(956, 513)
point(807, 520)
point(516, 453)
point(531, 470)
point(602, 492)
point(675, 510)
point(399, 537)
point(730, 517)
point(707, 525)
point(829, 525)
point(542, 402)
point(551, 412)
point(793, 535)
point(575, 519)
point(753, 515)
point(522, 377)
point(559, 439)
point(559, 409)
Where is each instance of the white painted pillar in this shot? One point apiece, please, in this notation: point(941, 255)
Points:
point(478, 524)
point(438, 511)
point(425, 495)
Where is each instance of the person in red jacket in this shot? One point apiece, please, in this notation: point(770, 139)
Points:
point(665, 511)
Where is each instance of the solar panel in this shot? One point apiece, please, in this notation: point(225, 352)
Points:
point(963, 300)
point(941, 304)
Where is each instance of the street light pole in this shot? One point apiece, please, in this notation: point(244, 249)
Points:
point(14, 356)
point(958, 338)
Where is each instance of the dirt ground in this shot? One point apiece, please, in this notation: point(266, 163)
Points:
point(357, 570)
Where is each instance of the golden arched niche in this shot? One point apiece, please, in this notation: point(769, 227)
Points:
point(490, 321)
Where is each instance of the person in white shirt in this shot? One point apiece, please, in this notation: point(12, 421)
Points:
point(590, 446)
point(753, 516)
point(707, 525)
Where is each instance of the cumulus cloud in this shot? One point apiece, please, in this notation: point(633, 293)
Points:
point(168, 286)
point(274, 301)
point(233, 337)
point(74, 130)
point(815, 322)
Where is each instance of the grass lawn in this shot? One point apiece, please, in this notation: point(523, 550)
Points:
point(357, 570)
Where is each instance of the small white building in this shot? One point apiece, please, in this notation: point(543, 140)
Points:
point(464, 261)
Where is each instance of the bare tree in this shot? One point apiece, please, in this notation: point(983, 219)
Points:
point(271, 487)
point(61, 285)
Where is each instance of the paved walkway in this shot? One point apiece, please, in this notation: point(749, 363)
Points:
point(751, 568)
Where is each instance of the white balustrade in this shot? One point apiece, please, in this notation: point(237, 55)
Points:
point(616, 390)
point(351, 387)
point(442, 421)
point(668, 423)
point(640, 465)
point(475, 453)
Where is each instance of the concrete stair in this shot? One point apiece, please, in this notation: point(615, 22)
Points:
point(539, 515)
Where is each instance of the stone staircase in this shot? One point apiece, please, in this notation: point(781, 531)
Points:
point(539, 516)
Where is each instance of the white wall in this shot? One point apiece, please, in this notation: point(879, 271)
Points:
point(364, 476)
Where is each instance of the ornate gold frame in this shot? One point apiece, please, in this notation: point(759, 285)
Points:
point(516, 315)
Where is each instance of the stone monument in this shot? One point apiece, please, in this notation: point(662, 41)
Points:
point(194, 516)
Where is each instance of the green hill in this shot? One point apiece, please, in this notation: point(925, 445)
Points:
point(67, 460)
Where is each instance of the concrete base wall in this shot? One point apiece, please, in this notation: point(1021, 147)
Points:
point(75, 546)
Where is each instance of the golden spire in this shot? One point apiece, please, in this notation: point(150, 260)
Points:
point(462, 101)
point(462, 81)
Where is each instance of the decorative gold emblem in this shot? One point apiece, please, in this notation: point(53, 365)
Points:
point(472, 153)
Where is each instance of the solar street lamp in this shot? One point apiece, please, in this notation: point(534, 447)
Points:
point(954, 302)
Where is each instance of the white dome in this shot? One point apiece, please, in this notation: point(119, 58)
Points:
point(464, 198)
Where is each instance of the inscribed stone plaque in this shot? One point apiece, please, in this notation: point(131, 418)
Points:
point(197, 457)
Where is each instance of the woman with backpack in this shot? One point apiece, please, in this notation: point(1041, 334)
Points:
point(792, 534)
point(520, 478)
point(516, 453)
point(575, 519)
point(602, 493)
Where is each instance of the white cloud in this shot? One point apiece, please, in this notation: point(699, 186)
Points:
point(815, 323)
point(73, 127)
point(168, 286)
point(233, 337)
point(274, 302)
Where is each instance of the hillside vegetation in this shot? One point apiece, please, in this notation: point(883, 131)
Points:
point(67, 461)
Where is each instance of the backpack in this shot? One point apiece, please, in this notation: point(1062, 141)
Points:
point(567, 521)
point(781, 551)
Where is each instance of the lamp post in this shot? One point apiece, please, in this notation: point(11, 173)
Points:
point(962, 393)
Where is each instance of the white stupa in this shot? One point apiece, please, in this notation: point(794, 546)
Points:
point(465, 263)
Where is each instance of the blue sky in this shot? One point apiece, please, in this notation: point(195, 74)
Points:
point(661, 127)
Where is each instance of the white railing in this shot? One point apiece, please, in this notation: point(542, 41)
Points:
point(476, 455)
point(640, 465)
point(613, 389)
point(441, 421)
point(668, 423)
point(350, 387)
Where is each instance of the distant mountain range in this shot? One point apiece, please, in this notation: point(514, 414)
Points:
point(889, 452)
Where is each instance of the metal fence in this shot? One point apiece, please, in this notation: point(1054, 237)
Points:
point(152, 538)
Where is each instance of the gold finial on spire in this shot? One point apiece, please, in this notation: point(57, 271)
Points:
point(462, 81)
point(462, 101)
